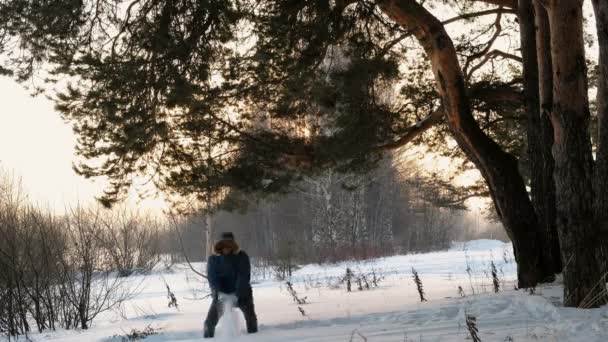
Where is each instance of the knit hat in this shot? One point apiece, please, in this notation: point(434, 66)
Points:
point(226, 241)
point(227, 236)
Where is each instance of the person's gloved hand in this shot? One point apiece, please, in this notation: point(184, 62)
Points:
point(229, 299)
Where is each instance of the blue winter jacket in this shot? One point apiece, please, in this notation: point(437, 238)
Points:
point(230, 274)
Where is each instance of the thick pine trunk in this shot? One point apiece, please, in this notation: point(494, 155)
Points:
point(600, 7)
point(499, 169)
point(542, 193)
point(517, 215)
point(583, 286)
point(546, 208)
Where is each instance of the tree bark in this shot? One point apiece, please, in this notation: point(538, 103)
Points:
point(583, 286)
point(545, 207)
point(535, 139)
point(499, 169)
point(600, 7)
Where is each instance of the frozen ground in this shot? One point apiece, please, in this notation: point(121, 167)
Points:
point(391, 312)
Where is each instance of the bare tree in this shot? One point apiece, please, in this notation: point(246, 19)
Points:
point(88, 283)
point(14, 303)
point(31, 251)
point(131, 241)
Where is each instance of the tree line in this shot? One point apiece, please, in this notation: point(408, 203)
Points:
point(396, 209)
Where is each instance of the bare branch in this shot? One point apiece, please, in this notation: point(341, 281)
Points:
point(416, 130)
point(484, 51)
point(491, 56)
point(505, 3)
point(498, 93)
point(181, 243)
point(502, 119)
point(506, 55)
point(395, 41)
point(478, 14)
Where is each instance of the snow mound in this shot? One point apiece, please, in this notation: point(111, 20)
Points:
point(228, 326)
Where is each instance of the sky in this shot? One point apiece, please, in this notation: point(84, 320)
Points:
point(38, 146)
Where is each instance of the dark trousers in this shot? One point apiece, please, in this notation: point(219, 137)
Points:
point(215, 312)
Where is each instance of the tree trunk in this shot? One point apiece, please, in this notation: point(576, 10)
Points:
point(499, 169)
point(541, 193)
point(600, 7)
point(545, 208)
point(583, 286)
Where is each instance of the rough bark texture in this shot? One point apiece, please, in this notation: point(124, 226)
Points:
point(600, 7)
point(534, 135)
point(573, 160)
point(545, 206)
point(498, 168)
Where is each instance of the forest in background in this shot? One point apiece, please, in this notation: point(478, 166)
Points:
point(396, 209)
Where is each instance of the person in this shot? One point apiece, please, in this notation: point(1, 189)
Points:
point(229, 271)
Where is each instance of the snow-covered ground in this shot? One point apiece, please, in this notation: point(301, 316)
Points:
point(390, 312)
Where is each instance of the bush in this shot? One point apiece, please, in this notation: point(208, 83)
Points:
point(131, 241)
point(55, 270)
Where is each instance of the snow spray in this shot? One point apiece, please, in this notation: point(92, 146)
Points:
point(229, 324)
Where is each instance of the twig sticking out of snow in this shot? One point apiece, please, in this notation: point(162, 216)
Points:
point(171, 297)
point(135, 334)
point(348, 278)
point(357, 333)
point(418, 285)
point(594, 298)
point(495, 279)
point(364, 281)
point(294, 294)
point(471, 322)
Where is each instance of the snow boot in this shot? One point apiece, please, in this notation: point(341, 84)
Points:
point(208, 333)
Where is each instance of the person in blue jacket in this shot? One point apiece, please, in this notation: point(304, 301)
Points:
point(229, 271)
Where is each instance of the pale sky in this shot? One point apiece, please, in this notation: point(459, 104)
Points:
point(38, 146)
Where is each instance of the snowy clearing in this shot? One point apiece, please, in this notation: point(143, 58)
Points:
point(390, 312)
